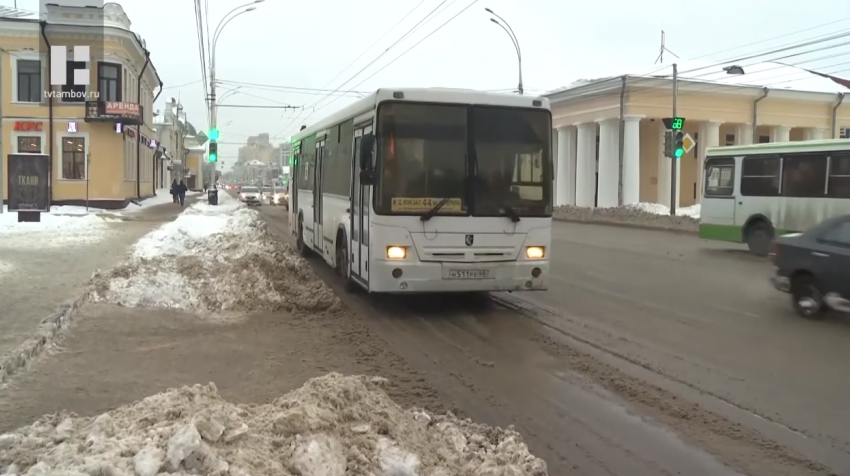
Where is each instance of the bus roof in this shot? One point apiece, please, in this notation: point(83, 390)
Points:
point(439, 95)
point(829, 145)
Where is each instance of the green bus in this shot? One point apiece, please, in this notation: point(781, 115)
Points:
point(752, 193)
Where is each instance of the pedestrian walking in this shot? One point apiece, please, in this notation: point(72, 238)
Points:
point(173, 190)
point(181, 192)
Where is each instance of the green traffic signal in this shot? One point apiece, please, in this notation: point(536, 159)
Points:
point(679, 147)
point(213, 152)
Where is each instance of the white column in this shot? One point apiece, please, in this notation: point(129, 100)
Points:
point(565, 186)
point(609, 163)
point(709, 136)
point(814, 133)
point(585, 164)
point(631, 160)
point(744, 134)
point(780, 134)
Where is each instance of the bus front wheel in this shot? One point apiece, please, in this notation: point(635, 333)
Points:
point(759, 237)
point(299, 242)
point(343, 267)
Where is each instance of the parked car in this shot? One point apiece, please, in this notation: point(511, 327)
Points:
point(251, 195)
point(814, 267)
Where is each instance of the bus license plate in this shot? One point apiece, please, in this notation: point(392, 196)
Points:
point(469, 274)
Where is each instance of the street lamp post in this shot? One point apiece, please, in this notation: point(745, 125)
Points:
point(221, 24)
point(514, 40)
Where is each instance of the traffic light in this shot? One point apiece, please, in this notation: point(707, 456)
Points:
point(679, 147)
point(213, 152)
point(213, 135)
point(668, 144)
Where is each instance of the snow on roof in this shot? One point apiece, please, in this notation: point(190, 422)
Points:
point(770, 74)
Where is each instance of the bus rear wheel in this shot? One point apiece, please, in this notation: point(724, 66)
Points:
point(759, 237)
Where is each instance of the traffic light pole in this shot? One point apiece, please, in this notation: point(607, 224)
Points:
point(674, 162)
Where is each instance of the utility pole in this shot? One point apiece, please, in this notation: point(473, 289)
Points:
point(674, 162)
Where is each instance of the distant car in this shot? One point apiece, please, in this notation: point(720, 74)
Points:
point(814, 267)
point(251, 196)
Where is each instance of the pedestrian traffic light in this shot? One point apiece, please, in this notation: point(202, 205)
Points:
point(679, 147)
point(213, 152)
point(213, 134)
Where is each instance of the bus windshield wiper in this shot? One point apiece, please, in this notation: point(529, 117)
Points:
point(510, 213)
point(430, 213)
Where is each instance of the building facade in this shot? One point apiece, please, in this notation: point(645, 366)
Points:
point(178, 139)
point(596, 119)
point(99, 135)
point(257, 148)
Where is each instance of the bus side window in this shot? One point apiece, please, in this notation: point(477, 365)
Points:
point(719, 177)
point(760, 176)
point(804, 175)
point(839, 177)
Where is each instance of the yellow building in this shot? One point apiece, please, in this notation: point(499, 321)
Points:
point(98, 135)
point(722, 105)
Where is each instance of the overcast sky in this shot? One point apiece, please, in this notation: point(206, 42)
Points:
point(307, 44)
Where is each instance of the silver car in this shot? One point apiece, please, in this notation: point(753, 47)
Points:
point(251, 196)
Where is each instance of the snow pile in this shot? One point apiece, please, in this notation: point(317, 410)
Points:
point(5, 269)
point(692, 211)
point(162, 196)
point(649, 215)
point(52, 231)
point(214, 258)
point(332, 426)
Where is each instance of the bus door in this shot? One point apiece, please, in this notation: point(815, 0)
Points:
point(360, 194)
point(719, 201)
point(292, 188)
point(317, 197)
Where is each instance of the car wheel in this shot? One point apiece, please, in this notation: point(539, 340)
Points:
point(807, 298)
point(759, 238)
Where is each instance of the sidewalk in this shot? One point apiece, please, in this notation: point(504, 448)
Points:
point(45, 267)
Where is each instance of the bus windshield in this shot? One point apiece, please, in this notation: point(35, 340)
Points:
point(424, 158)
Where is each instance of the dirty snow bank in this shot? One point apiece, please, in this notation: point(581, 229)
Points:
point(651, 215)
point(332, 426)
point(214, 258)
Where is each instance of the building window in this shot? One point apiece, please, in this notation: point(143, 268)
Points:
point(730, 139)
point(29, 144)
point(109, 81)
point(29, 80)
point(74, 158)
point(72, 92)
point(764, 139)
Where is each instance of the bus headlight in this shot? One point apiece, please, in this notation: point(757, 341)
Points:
point(396, 252)
point(534, 252)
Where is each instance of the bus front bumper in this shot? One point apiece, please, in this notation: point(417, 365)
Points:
point(419, 277)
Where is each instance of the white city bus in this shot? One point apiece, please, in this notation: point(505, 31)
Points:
point(755, 192)
point(428, 190)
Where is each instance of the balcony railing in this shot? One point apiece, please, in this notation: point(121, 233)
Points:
point(129, 113)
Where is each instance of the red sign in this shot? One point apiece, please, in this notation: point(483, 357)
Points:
point(28, 126)
point(121, 109)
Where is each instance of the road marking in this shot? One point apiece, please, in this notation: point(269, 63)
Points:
point(729, 309)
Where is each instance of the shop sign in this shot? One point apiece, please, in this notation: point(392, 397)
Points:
point(29, 126)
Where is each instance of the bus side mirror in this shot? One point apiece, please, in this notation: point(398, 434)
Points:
point(367, 145)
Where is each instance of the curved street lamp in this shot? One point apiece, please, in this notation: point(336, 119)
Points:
point(514, 40)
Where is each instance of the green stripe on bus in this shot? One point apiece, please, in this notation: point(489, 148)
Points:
point(731, 233)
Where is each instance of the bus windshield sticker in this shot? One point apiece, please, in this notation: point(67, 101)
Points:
point(415, 205)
